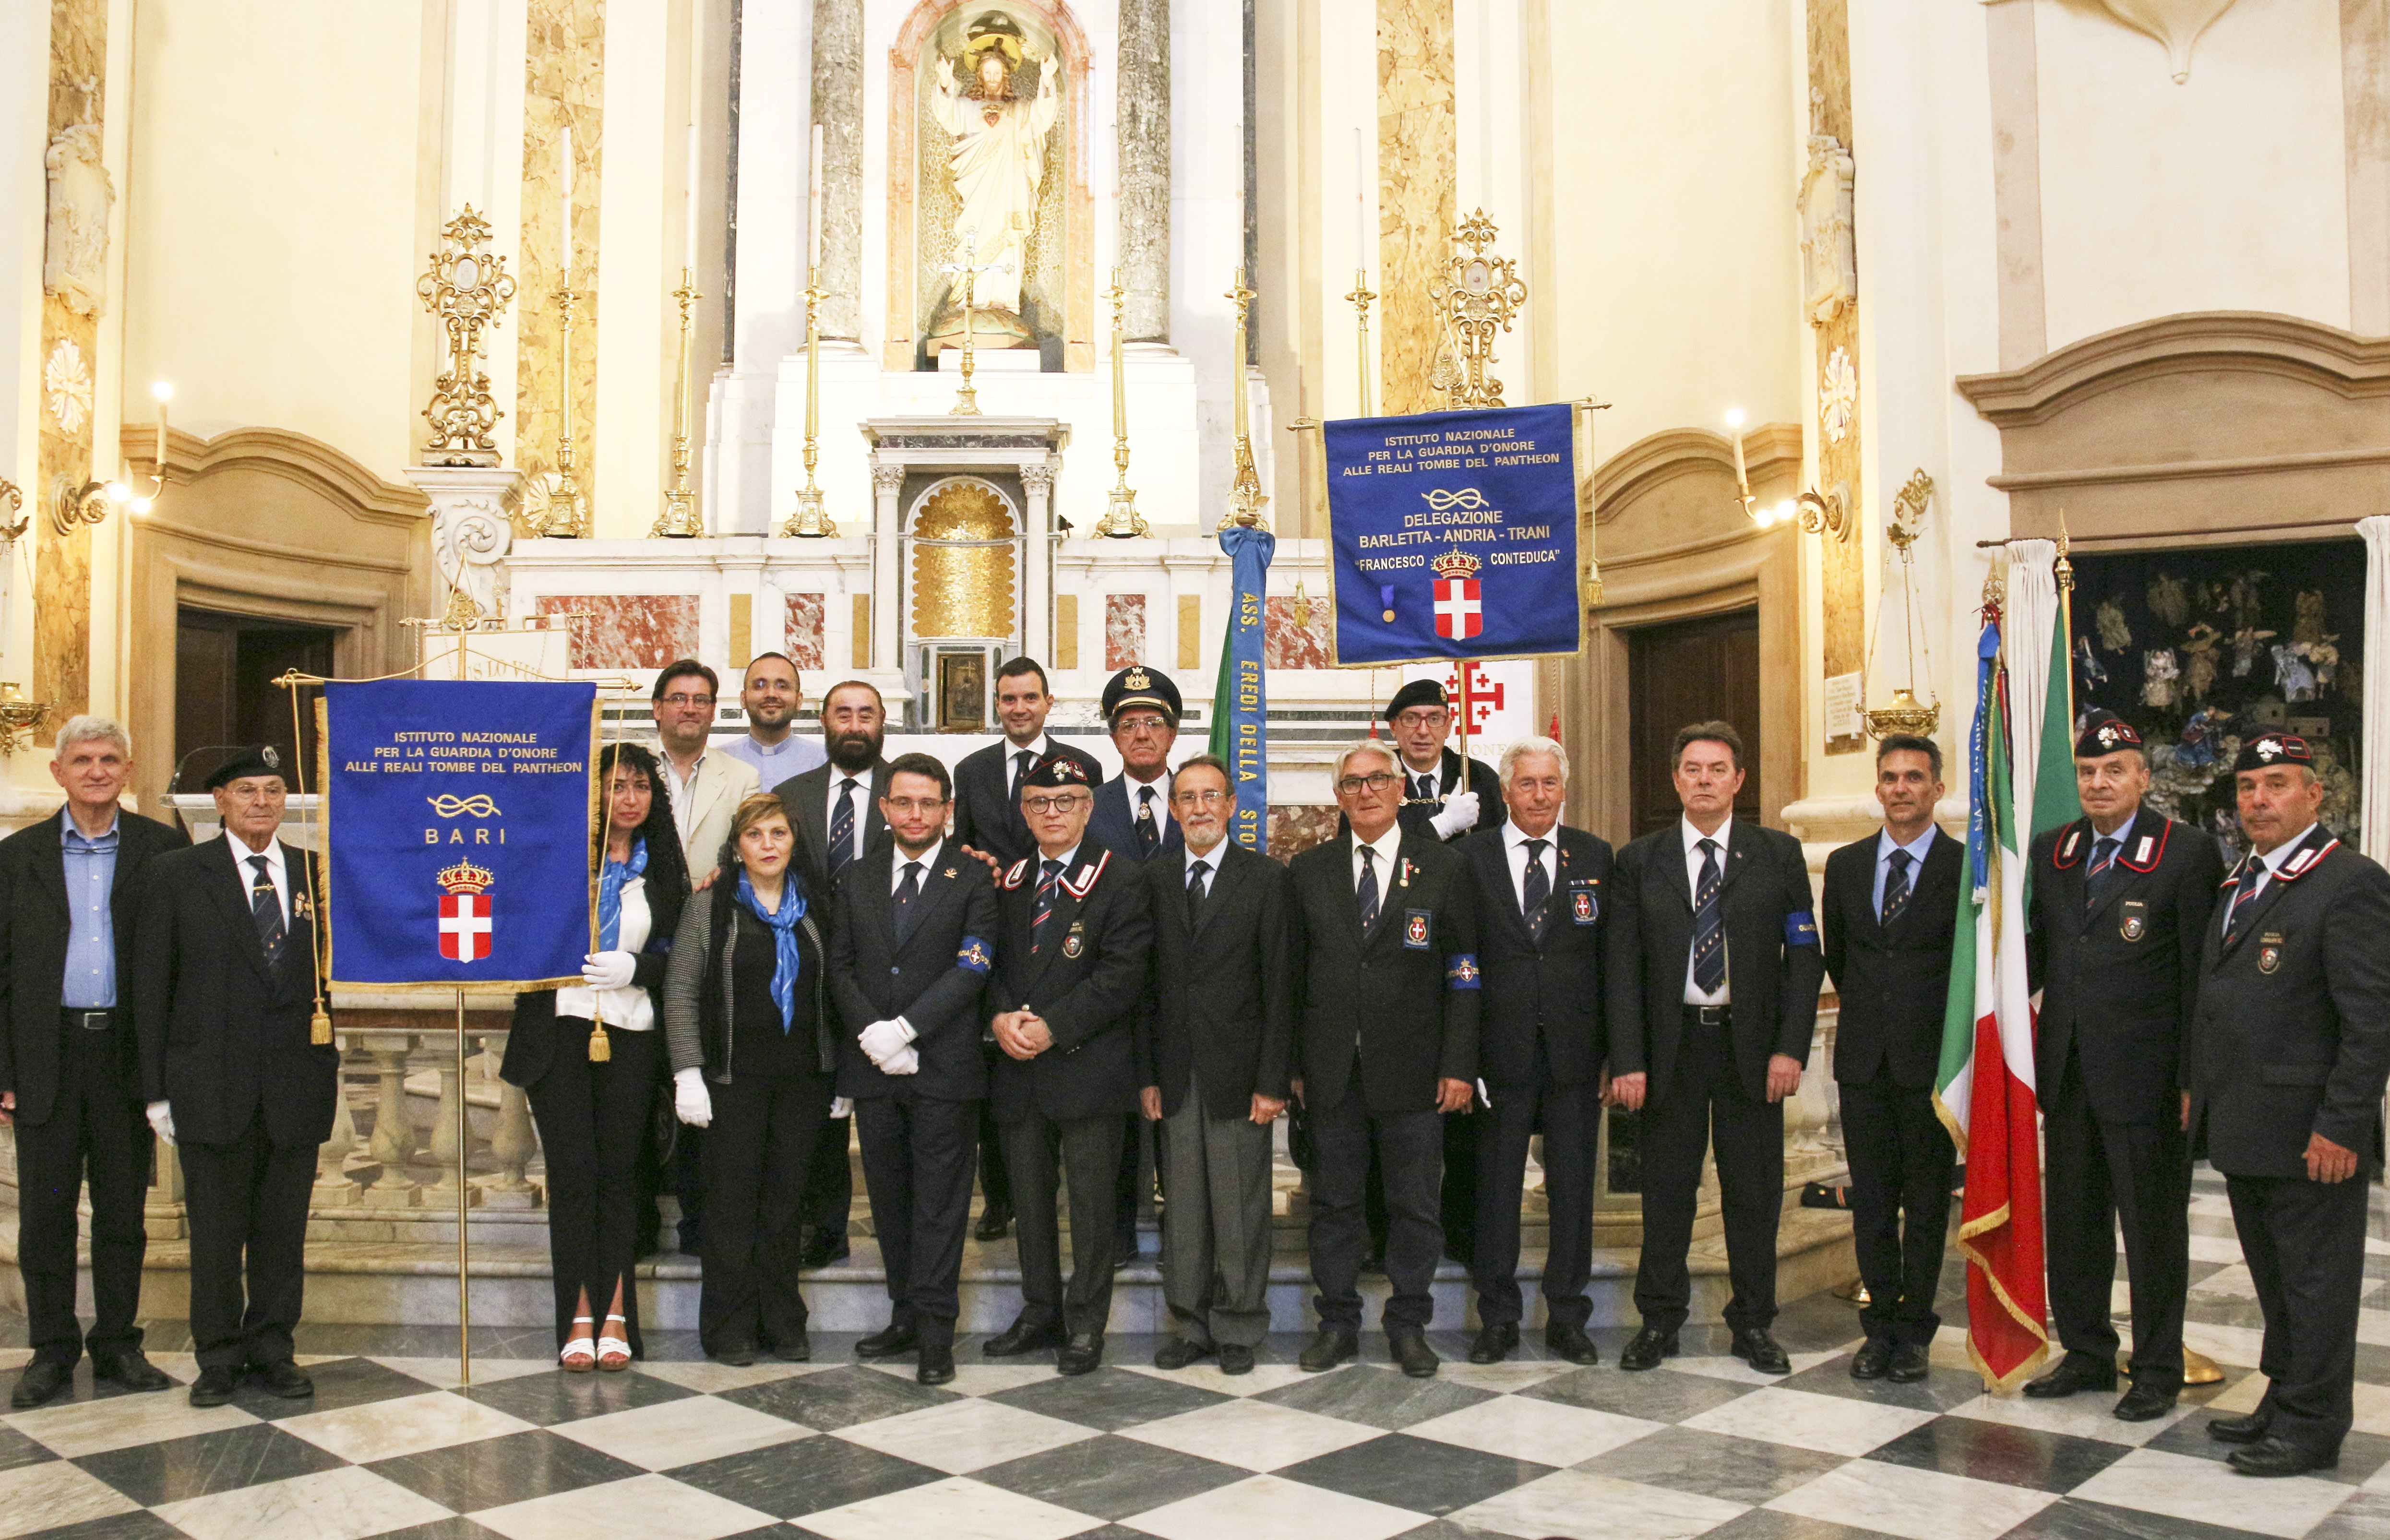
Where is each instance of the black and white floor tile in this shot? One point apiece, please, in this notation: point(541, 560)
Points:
point(691, 1450)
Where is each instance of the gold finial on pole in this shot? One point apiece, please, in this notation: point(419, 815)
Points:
point(1245, 496)
point(680, 520)
point(1121, 519)
point(1361, 298)
point(2064, 569)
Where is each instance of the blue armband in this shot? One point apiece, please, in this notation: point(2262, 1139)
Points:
point(974, 957)
point(1461, 972)
point(1801, 929)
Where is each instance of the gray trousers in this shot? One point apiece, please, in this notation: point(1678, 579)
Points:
point(1216, 1229)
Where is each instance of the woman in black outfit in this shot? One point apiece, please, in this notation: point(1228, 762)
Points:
point(748, 1024)
point(593, 1112)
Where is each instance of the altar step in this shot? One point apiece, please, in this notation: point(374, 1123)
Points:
point(415, 1283)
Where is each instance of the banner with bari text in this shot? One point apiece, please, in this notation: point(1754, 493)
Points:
point(457, 818)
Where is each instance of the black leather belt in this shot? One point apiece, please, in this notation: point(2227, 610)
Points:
point(90, 1021)
point(1708, 1016)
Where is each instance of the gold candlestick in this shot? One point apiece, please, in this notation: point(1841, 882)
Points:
point(808, 522)
point(1361, 298)
point(567, 515)
point(1246, 499)
point(1121, 519)
point(966, 248)
point(680, 520)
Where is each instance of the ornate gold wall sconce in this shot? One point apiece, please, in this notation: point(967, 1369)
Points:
point(1828, 514)
point(19, 717)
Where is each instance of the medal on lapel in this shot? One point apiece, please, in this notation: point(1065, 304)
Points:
point(2137, 919)
point(1076, 942)
point(2269, 952)
point(1581, 905)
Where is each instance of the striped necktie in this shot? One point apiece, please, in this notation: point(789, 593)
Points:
point(1535, 890)
point(2104, 869)
point(1365, 893)
point(1709, 924)
point(841, 827)
point(266, 903)
point(2245, 888)
point(1045, 911)
point(1896, 886)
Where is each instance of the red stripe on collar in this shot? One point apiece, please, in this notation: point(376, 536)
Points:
point(1086, 878)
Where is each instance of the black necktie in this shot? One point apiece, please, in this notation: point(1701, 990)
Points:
point(1423, 789)
point(2243, 891)
point(1196, 872)
point(1896, 886)
point(1709, 924)
point(1149, 833)
point(265, 903)
point(1023, 762)
point(2103, 869)
point(1053, 871)
point(907, 890)
point(841, 827)
point(1365, 896)
point(1535, 890)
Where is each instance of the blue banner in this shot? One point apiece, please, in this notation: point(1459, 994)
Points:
point(457, 816)
point(1453, 534)
point(1241, 712)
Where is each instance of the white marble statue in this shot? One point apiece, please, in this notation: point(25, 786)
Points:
point(998, 162)
point(74, 258)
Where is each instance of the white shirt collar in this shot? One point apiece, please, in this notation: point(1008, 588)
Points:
point(1411, 772)
point(862, 778)
point(1069, 858)
point(1693, 836)
point(1039, 748)
point(929, 859)
point(1514, 837)
point(1213, 855)
point(1384, 848)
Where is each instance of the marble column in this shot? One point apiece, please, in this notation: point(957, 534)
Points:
point(837, 107)
point(887, 566)
point(1418, 151)
point(1842, 563)
point(1038, 558)
point(1145, 170)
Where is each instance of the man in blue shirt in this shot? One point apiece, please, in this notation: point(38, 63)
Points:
point(68, 888)
point(770, 697)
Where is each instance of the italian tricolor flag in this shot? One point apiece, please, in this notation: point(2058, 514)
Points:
point(2020, 781)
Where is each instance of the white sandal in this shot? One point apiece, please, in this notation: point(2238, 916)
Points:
point(613, 1353)
point(580, 1354)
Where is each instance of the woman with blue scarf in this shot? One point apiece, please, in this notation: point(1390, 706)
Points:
point(589, 1060)
point(748, 1024)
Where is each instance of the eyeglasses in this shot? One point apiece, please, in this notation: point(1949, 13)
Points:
point(1063, 803)
point(1421, 716)
point(905, 807)
point(1351, 786)
point(684, 701)
point(1209, 797)
point(1141, 724)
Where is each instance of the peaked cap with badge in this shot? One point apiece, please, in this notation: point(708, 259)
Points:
point(254, 760)
point(1139, 685)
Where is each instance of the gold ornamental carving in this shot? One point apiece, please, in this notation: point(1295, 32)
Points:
point(1477, 297)
point(466, 287)
point(963, 539)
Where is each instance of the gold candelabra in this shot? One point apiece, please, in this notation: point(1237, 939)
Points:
point(809, 521)
point(966, 249)
point(1361, 298)
point(1245, 496)
point(466, 287)
point(1476, 297)
point(680, 519)
point(565, 513)
point(1121, 519)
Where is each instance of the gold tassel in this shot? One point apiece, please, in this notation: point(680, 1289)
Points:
point(601, 1047)
point(319, 1030)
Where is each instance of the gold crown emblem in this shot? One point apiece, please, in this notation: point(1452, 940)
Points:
point(1456, 564)
point(466, 877)
point(1138, 680)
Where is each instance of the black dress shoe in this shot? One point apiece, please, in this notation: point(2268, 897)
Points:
point(2279, 1456)
point(1908, 1366)
point(995, 1224)
point(2142, 1404)
point(284, 1378)
point(1236, 1358)
point(937, 1366)
point(132, 1371)
point(213, 1387)
point(893, 1341)
point(1331, 1347)
point(43, 1381)
point(1494, 1342)
point(1410, 1350)
point(1756, 1347)
point(1177, 1353)
point(1648, 1349)
point(2238, 1430)
point(797, 1349)
point(738, 1355)
point(1021, 1337)
point(1570, 1342)
point(825, 1247)
point(1082, 1355)
point(2074, 1374)
point(1872, 1361)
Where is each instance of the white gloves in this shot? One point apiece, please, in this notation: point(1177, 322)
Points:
point(842, 1106)
point(607, 969)
point(161, 1120)
point(1460, 814)
point(692, 1102)
point(883, 1040)
point(905, 1060)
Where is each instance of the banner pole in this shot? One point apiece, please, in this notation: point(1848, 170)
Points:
point(464, 1170)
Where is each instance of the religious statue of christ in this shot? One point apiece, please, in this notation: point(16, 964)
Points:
point(999, 162)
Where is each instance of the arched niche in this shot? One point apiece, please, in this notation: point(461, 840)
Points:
point(962, 562)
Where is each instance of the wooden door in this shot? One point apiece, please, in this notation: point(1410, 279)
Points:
point(1691, 671)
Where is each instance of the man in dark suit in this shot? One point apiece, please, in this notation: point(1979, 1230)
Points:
point(69, 1070)
point(1132, 817)
point(1540, 936)
point(911, 943)
point(1887, 915)
point(988, 823)
point(835, 809)
point(1215, 1068)
point(2120, 900)
point(225, 990)
point(1072, 933)
point(2284, 1074)
point(1387, 1043)
point(1713, 973)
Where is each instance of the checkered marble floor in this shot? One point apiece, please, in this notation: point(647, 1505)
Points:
point(691, 1450)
